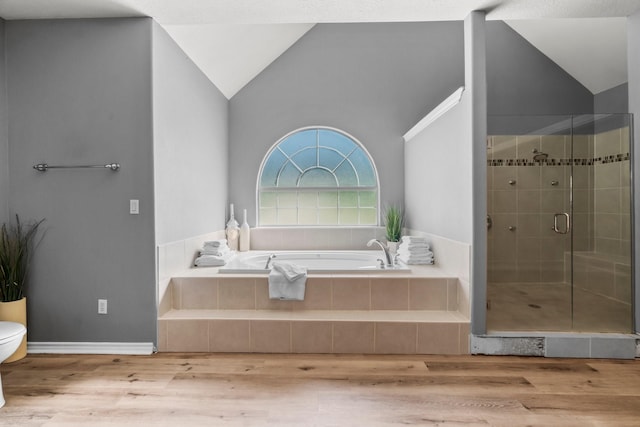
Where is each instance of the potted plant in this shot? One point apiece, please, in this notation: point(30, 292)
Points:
point(17, 243)
point(394, 221)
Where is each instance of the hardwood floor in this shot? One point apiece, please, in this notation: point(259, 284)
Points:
point(318, 390)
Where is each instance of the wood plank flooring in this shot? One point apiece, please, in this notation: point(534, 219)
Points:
point(193, 389)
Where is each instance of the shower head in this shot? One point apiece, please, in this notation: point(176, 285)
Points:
point(539, 156)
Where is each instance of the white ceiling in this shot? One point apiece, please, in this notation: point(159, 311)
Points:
point(233, 40)
point(592, 50)
point(231, 65)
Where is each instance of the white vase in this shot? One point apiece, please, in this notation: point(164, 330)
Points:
point(245, 233)
point(232, 231)
point(392, 247)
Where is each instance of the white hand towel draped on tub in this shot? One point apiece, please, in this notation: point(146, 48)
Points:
point(287, 281)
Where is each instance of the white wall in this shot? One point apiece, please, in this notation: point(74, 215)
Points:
point(438, 197)
point(190, 137)
point(445, 166)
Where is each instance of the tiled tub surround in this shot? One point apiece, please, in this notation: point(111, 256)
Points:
point(174, 257)
point(425, 311)
point(404, 314)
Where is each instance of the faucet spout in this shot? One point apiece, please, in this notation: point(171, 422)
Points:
point(269, 258)
point(387, 255)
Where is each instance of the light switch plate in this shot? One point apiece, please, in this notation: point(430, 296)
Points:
point(134, 207)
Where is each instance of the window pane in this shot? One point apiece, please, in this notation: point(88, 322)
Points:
point(287, 216)
point(307, 216)
point(271, 168)
point(298, 140)
point(287, 200)
point(288, 176)
point(362, 164)
point(330, 158)
point(368, 199)
point(348, 199)
point(328, 199)
point(327, 216)
point(348, 216)
point(306, 158)
point(318, 178)
point(267, 199)
point(346, 175)
point(342, 143)
point(368, 216)
point(268, 216)
point(307, 199)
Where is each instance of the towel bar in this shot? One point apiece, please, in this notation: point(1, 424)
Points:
point(43, 167)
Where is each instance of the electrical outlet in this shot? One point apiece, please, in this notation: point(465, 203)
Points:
point(102, 306)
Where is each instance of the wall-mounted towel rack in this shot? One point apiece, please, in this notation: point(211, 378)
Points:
point(43, 167)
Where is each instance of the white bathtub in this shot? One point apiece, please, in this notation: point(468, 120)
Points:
point(316, 262)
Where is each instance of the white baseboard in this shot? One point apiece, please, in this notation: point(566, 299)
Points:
point(141, 348)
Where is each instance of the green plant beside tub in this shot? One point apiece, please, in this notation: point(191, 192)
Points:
point(394, 221)
point(17, 243)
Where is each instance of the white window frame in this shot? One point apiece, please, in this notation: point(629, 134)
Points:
point(337, 188)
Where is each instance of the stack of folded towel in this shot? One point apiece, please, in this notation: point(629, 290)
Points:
point(214, 253)
point(287, 281)
point(415, 250)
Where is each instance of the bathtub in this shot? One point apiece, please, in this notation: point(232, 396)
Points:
point(316, 262)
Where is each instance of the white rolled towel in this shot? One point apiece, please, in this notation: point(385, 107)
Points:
point(215, 252)
point(417, 259)
point(422, 245)
point(215, 243)
point(413, 239)
point(213, 261)
point(423, 252)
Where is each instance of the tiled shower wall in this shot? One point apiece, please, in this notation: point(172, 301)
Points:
point(524, 195)
point(612, 193)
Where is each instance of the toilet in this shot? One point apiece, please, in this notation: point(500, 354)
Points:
point(11, 334)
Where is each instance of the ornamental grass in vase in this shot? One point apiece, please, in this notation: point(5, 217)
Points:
point(17, 243)
point(394, 221)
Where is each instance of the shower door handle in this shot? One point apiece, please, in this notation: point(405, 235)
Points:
point(567, 223)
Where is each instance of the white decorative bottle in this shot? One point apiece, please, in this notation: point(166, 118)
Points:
point(232, 231)
point(245, 233)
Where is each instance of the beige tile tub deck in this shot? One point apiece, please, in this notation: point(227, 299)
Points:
point(388, 313)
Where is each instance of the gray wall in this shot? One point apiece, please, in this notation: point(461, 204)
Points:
point(614, 100)
point(80, 93)
point(476, 61)
point(190, 117)
point(633, 60)
point(521, 80)
point(374, 81)
point(4, 138)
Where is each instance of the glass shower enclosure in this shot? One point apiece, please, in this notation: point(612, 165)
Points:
point(559, 223)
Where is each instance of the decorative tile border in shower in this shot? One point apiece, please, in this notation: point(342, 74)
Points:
point(560, 162)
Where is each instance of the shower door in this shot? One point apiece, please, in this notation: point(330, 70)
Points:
point(559, 224)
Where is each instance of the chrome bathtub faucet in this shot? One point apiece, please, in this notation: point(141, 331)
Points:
point(387, 255)
point(272, 256)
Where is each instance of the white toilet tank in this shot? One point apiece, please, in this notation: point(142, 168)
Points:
point(10, 331)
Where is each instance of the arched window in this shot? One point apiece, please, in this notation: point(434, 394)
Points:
point(317, 176)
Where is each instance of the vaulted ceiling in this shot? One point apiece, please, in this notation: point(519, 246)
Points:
point(234, 40)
